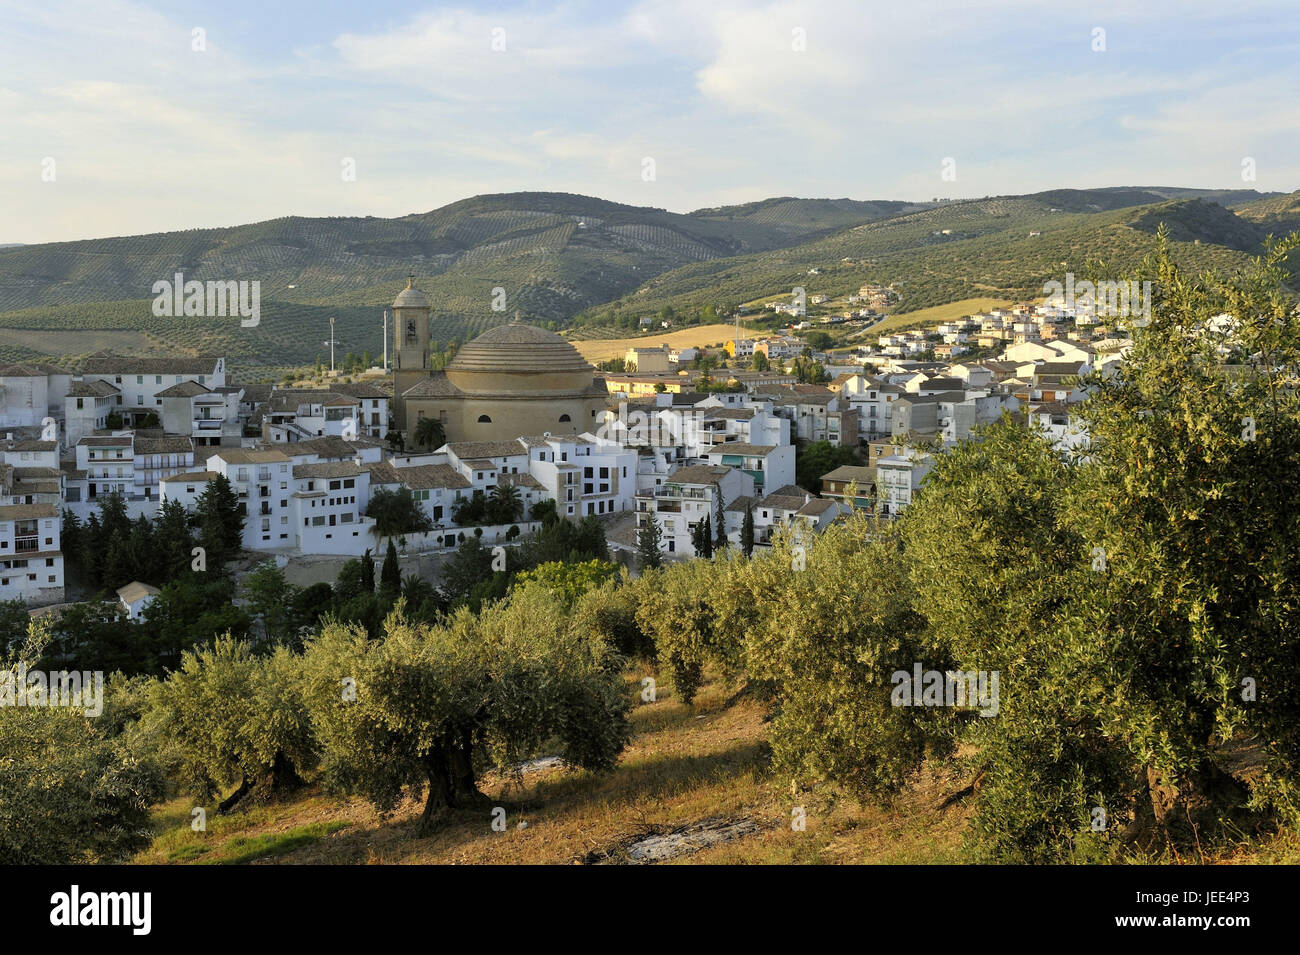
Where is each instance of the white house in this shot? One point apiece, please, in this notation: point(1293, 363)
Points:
point(898, 478)
point(135, 597)
point(770, 466)
point(789, 509)
point(138, 382)
point(31, 391)
point(31, 563)
point(688, 497)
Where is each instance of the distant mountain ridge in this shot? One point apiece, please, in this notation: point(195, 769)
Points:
point(560, 255)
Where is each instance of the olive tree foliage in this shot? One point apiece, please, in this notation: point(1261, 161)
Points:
point(1191, 494)
point(71, 791)
point(676, 607)
point(830, 625)
point(229, 718)
point(431, 706)
point(1141, 599)
point(997, 567)
point(608, 613)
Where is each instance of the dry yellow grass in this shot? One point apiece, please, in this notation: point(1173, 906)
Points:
point(699, 336)
point(685, 765)
point(938, 314)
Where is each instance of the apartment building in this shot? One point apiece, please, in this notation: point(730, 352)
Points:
point(686, 498)
point(139, 382)
point(31, 563)
point(263, 480)
point(898, 479)
point(769, 466)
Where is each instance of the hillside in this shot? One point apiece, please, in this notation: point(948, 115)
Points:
point(1278, 215)
point(536, 245)
point(563, 258)
point(691, 773)
point(697, 336)
point(1003, 247)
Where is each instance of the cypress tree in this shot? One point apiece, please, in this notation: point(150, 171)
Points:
point(390, 575)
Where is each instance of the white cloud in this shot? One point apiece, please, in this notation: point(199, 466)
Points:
point(151, 135)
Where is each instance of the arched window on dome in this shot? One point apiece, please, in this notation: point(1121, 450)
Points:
point(484, 419)
point(564, 418)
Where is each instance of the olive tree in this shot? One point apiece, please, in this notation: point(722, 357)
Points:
point(228, 718)
point(428, 707)
point(71, 790)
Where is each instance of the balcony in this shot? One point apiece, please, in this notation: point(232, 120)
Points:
point(675, 491)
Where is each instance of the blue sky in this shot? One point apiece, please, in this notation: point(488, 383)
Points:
point(733, 101)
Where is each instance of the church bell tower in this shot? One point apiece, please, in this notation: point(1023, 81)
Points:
point(410, 344)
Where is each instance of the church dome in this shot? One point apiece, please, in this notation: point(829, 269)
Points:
point(521, 359)
point(410, 297)
point(518, 348)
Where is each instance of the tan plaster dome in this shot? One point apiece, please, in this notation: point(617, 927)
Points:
point(519, 359)
point(410, 297)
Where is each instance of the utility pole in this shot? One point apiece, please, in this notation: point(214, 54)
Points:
point(331, 343)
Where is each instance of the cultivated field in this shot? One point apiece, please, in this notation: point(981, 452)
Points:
point(938, 314)
point(603, 349)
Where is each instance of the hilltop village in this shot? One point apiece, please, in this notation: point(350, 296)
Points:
point(518, 425)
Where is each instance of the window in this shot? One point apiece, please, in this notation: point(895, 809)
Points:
point(484, 419)
point(564, 418)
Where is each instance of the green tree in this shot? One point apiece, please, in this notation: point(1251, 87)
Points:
point(270, 599)
point(366, 573)
point(817, 458)
point(390, 575)
point(747, 531)
point(397, 512)
point(220, 517)
point(434, 704)
point(675, 607)
point(96, 635)
point(569, 581)
point(544, 511)
point(719, 523)
point(191, 611)
point(430, 434)
point(829, 638)
point(505, 504)
point(70, 790)
point(227, 718)
point(648, 539)
point(702, 538)
point(173, 540)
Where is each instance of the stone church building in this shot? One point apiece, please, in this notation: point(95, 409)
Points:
point(512, 380)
